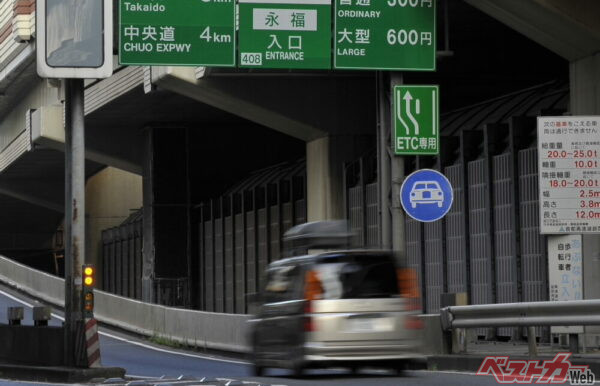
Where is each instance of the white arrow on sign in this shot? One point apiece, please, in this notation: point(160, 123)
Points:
point(399, 111)
point(408, 98)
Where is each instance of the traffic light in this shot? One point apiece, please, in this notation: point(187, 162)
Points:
point(89, 280)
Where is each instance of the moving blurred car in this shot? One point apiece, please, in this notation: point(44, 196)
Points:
point(342, 308)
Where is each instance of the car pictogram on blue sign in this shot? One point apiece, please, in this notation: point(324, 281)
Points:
point(426, 195)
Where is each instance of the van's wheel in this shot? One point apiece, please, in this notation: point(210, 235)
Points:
point(400, 368)
point(298, 370)
point(258, 370)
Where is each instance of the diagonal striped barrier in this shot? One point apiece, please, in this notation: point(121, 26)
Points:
point(92, 343)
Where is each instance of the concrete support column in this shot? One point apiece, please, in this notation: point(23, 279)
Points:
point(148, 211)
point(585, 86)
point(585, 100)
point(166, 273)
point(325, 159)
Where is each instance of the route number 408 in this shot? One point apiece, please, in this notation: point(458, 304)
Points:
point(251, 59)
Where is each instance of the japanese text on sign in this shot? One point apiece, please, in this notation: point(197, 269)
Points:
point(285, 34)
point(565, 272)
point(385, 34)
point(182, 32)
point(416, 120)
point(569, 174)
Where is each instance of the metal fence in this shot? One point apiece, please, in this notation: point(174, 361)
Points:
point(122, 258)
point(241, 232)
point(488, 245)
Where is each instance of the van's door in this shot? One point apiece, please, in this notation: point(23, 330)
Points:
point(361, 302)
point(280, 318)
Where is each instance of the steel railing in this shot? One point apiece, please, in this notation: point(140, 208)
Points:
point(532, 314)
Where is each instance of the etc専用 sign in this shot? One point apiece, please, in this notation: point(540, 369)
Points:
point(416, 120)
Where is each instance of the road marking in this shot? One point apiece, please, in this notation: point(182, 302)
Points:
point(135, 343)
point(173, 352)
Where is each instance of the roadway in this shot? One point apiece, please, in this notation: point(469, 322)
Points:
point(144, 360)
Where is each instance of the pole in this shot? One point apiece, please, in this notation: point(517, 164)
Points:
point(74, 212)
point(383, 161)
point(532, 344)
point(390, 168)
point(397, 177)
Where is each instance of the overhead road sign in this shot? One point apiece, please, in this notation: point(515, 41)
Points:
point(74, 39)
point(416, 120)
point(385, 35)
point(569, 174)
point(177, 32)
point(426, 195)
point(290, 34)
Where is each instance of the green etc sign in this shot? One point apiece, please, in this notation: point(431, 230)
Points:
point(416, 120)
point(285, 34)
point(177, 32)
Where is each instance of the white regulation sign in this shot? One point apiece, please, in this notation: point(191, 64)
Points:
point(569, 174)
point(565, 273)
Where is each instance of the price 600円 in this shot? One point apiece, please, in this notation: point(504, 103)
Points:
point(409, 37)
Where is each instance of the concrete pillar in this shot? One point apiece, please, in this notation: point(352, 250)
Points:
point(585, 86)
point(166, 246)
point(325, 158)
point(585, 100)
point(148, 210)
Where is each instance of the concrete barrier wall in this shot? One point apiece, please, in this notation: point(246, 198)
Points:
point(194, 328)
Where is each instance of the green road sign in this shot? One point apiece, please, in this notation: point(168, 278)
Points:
point(416, 120)
point(285, 34)
point(177, 32)
point(385, 34)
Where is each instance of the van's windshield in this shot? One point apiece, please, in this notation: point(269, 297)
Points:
point(357, 277)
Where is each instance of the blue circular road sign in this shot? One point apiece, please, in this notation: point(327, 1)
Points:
point(426, 195)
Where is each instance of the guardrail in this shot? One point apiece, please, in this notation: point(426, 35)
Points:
point(532, 314)
point(193, 328)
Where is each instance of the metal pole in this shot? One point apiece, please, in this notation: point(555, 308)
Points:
point(383, 169)
point(574, 343)
point(74, 211)
point(397, 177)
point(533, 352)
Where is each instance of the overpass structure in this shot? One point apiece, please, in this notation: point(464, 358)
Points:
point(195, 173)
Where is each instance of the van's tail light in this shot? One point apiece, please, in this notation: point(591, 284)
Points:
point(313, 290)
point(409, 289)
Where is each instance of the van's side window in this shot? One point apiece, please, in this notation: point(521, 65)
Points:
point(282, 284)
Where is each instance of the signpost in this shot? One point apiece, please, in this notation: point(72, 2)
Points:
point(74, 42)
point(177, 33)
point(385, 35)
point(569, 174)
point(416, 120)
point(426, 195)
point(285, 34)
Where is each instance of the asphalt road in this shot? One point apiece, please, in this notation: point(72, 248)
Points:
point(146, 361)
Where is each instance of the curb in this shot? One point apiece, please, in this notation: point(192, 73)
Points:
point(58, 374)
